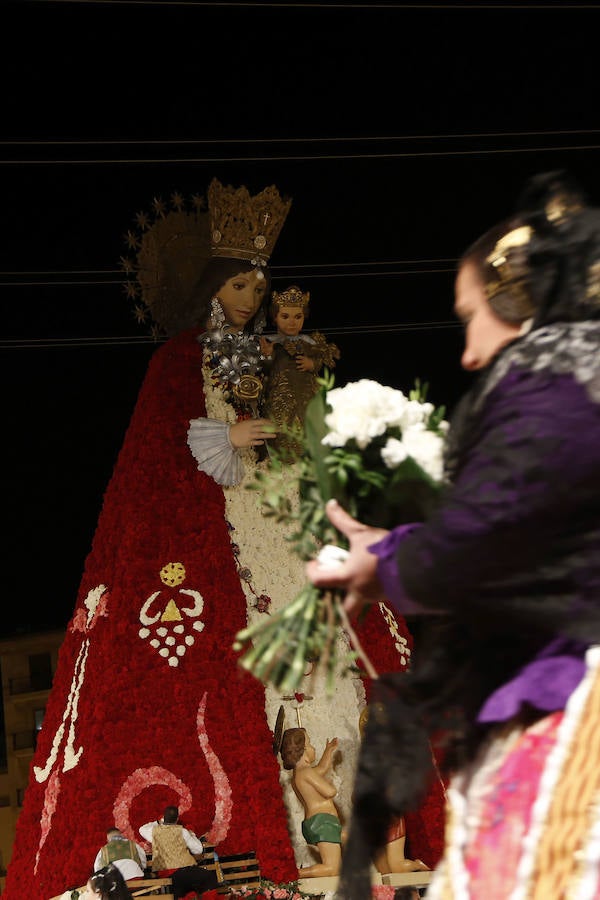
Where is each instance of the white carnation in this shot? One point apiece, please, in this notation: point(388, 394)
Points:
point(362, 410)
point(416, 413)
point(393, 453)
point(330, 556)
point(426, 448)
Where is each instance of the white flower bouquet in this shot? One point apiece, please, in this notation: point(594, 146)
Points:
point(377, 452)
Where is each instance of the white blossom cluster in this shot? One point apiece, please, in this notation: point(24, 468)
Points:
point(364, 410)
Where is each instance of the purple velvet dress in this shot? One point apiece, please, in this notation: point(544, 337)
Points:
point(511, 559)
point(517, 539)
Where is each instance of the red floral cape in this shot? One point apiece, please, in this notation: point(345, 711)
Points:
point(127, 732)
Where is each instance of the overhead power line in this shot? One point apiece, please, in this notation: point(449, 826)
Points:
point(73, 278)
point(284, 4)
point(200, 142)
point(122, 341)
point(314, 157)
point(306, 276)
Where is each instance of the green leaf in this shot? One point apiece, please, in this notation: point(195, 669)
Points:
point(315, 430)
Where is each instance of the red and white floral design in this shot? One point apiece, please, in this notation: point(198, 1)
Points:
point(127, 731)
point(134, 711)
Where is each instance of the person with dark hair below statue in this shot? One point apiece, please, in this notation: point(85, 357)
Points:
point(406, 893)
point(507, 572)
point(107, 884)
point(126, 855)
point(174, 849)
point(321, 826)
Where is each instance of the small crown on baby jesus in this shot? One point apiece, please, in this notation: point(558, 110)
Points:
point(292, 296)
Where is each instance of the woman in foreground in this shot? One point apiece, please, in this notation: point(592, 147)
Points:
point(508, 572)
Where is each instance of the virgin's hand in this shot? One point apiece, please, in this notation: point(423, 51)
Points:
point(357, 575)
point(251, 433)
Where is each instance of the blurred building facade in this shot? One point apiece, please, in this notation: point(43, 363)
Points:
point(27, 663)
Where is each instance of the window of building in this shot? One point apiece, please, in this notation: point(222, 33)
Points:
point(40, 671)
point(38, 718)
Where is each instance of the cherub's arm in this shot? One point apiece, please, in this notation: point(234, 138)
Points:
point(325, 763)
point(311, 777)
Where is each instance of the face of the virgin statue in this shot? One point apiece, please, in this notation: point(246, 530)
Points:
point(241, 297)
point(485, 333)
point(290, 320)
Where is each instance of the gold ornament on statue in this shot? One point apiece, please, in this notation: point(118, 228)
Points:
point(243, 226)
point(248, 389)
point(292, 296)
point(171, 248)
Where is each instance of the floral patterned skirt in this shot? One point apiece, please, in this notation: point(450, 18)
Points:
point(523, 823)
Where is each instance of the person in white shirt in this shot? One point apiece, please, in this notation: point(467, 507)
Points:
point(128, 856)
point(174, 851)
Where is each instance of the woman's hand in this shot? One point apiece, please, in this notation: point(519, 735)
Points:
point(251, 433)
point(357, 575)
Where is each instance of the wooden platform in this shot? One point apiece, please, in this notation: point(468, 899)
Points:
point(242, 871)
point(236, 872)
point(408, 879)
point(139, 887)
point(397, 879)
point(146, 887)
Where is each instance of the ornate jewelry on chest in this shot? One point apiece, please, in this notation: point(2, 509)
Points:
point(237, 367)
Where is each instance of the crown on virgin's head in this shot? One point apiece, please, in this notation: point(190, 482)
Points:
point(244, 226)
point(292, 296)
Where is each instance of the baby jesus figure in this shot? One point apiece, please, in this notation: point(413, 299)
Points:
point(296, 360)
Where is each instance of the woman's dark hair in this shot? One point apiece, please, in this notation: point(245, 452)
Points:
point(110, 884)
point(512, 301)
point(293, 743)
point(217, 271)
point(554, 275)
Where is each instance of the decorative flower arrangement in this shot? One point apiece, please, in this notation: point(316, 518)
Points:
point(237, 365)
point(268, 890)
point(379, 453)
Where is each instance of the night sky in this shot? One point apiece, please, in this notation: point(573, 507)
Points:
point(400, 131)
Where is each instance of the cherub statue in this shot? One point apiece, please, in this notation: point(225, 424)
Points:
point(321, 826)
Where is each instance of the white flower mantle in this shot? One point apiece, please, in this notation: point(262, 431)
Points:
point(278, 572)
